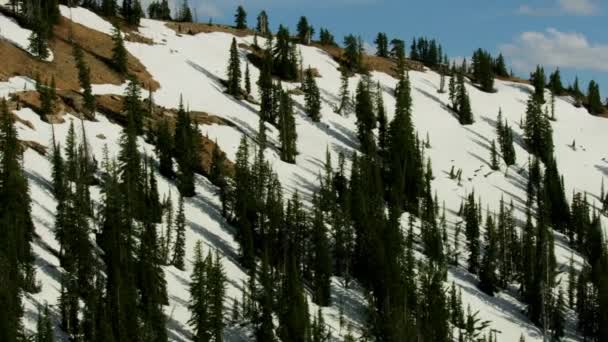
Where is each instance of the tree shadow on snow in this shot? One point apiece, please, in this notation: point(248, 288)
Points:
point(436, 99)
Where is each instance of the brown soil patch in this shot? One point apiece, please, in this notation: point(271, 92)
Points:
point(97, 50)
point(195, 28)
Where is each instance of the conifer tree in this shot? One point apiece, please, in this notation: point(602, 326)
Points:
point(463, 104)
point(594, 99)
point(17, 273)
point(537, 131)
point(185, 14)
point(483, 70)
point(472, 232)
point(557, 317)
point(264, 331)
point(285, 60)
point(381, 45)
point(164, 149)
point(287, 129)
point(353, 54)
point(234, 71)
point(487, 274)
point(321, 261)
point(345, 103)
point(119, 52)
point(247, 80)
point(240, 18)
point(199, 305)
point(312, 96)
point(538, 81)
point(180, 236)
point(132, 105)
point(186, 150)
point(326, 38)
point(38, 39)
point(293, 307)
point(576, 93)
point(263, 26)
point(108, 8)
point(366, 120)
point(84, 77)
point(304, 31)
point(494, 157)
point(44, 327)
point(555, 83)
point(500, 67)
point(216, 292)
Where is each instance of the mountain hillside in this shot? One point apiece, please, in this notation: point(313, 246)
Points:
point(191, 69)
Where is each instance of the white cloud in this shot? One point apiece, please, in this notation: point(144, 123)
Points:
point(563, 7)
point(557, 49)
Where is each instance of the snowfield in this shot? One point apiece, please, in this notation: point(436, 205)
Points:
point(192, 66)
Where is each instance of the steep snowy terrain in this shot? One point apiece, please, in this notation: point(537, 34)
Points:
point(192, 67)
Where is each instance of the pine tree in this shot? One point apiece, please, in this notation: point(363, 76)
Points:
point(284, 58)
point(381, 45)
point(487, 274)
point(345, 103)
point(38, 39)
point(293, 307)
point(483, 70)
point(304, 31)
point(164, 149)
point(132, 105)
point(240, 18)
point(185, 14)
point(264, 331)
point(119, 52)
point(234, 71)
point(263, 26)
point(247, 80)
point(180, 236)
point(108, 8)
point(186, 150)
point(44, 327)
point(353, 54)
point(555, 83)
point(494, 157)
point(199, 305)
point(594, 99)
point(216, 292)
point(321, 260)
point(472, 232)
point(576, 93)
point(312, 96)
point(537, 131)
point(366, 120)
point(500, 67)
point(463, 104)
point(287, 129)
point(17, 229)
point(538, 81)
point(557, 317)
point(84, 77)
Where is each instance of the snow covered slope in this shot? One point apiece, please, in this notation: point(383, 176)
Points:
point(192, 66)
point(17, 35)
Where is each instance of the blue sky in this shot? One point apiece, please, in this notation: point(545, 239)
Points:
point(570, 34)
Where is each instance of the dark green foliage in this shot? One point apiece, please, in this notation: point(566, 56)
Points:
point(132, 12)
point(366, 119)
point(119, 52)
point(16, 229)
point(48, 95)
point(184, 14)
point(159, 10)
point(555, 83)
point(353, 54)
point(483, 70)
point(109, 8)
point(326, 38)
point(44, 327)
point(240, 18)
point(234, 71)
point(84, 77)
point(132, 106)
point(426, 51)
point(488, 280)
point(265, 87)
point(538, 133)
point(263, 25)
point(264, 331)
point(434, 315)
point(38, 39)
point(558, 319)
point(500, 68)
point(164, 149)
point(462, 101)
point(321, 260)
point(287, 129)
point(247, 80)
point(538, 81)
point(594, 99)
point(557, 205)
point(186, 151)
point(312, 96)
point(179, 248)
point(381, 45)
point(284, 58)
point(505, 140)
point(293, 307)
point(494, 165)
point(305, 31)
point(472, 232)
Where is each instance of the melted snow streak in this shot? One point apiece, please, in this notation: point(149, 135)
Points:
point(192, 66)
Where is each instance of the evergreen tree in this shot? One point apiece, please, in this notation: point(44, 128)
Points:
point(487, 274)
point(353, 54)
point(108, 8)
point(186, 150)
point(381, 45)
point(185, 14)
point(44, 327)
point(199, 305)
point(557, 317)
point(264, 331)
point(483, 70)
point(345, 102)
point(285, 61)
point(119, 52)
point(234, 71)
point(247, 80)
point(240, 18)
point(494, 157)
point(312, 96)
point(576, 93)
point(305, 31)
point(326, 38)
point(164, 149)
point(366, 120)
point(287, 129)
point(180, 236)
point(216, 279)
point(293, 307)
point(16, 230)
point(321, 260)
point(538, 81)
point(472, 232)
point(537, 131)
point(38, 39)
point(132, 105)
point(555, 83)
point(594, 99)
point(500, 68)
point(263, 25)
point(84, 77)
point(463, 104)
